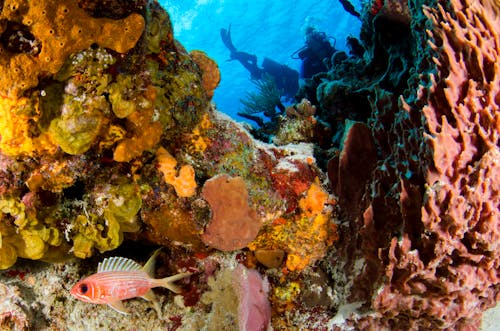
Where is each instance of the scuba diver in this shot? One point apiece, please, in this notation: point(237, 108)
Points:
point(315, 54)
point(285, 78)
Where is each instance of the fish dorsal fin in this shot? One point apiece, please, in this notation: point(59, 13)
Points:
point(117, 263)
point(149, 267)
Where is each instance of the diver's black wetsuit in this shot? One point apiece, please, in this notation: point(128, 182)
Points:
point(286, 78)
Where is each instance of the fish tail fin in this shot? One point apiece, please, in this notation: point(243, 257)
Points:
point(168, 282)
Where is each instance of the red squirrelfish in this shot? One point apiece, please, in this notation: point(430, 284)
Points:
point(119, 278)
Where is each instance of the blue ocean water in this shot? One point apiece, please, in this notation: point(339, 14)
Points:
point(272, 29)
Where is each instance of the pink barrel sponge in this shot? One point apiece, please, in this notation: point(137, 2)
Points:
point(254, 310)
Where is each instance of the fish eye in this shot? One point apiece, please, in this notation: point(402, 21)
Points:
point(84, 288)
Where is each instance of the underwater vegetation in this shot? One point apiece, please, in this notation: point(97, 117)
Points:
point(266, 101)
point(376, 204)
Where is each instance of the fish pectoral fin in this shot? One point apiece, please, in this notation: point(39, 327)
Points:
point(118, 306)
point(149, 296)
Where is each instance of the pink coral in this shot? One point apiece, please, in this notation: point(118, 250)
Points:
point(254, 309)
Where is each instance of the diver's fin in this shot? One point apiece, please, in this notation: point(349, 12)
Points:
point(350, 8)
point(225, 35)
point(118, 306)
point(149, 267)
point(168, 282)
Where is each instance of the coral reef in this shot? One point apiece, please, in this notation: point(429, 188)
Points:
point(223, 298)
point(210, 75)
point(246, 307)
point(57, 30)
point(419, 190)
point(394, 10)
point(234, 223)
point(183, 182)
point(146, 132)
point(306, 235)
point(82, 119)
point(116, 143)
point(14, 315)
point(298, 125)
point(254, 310)
point(377, 206)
